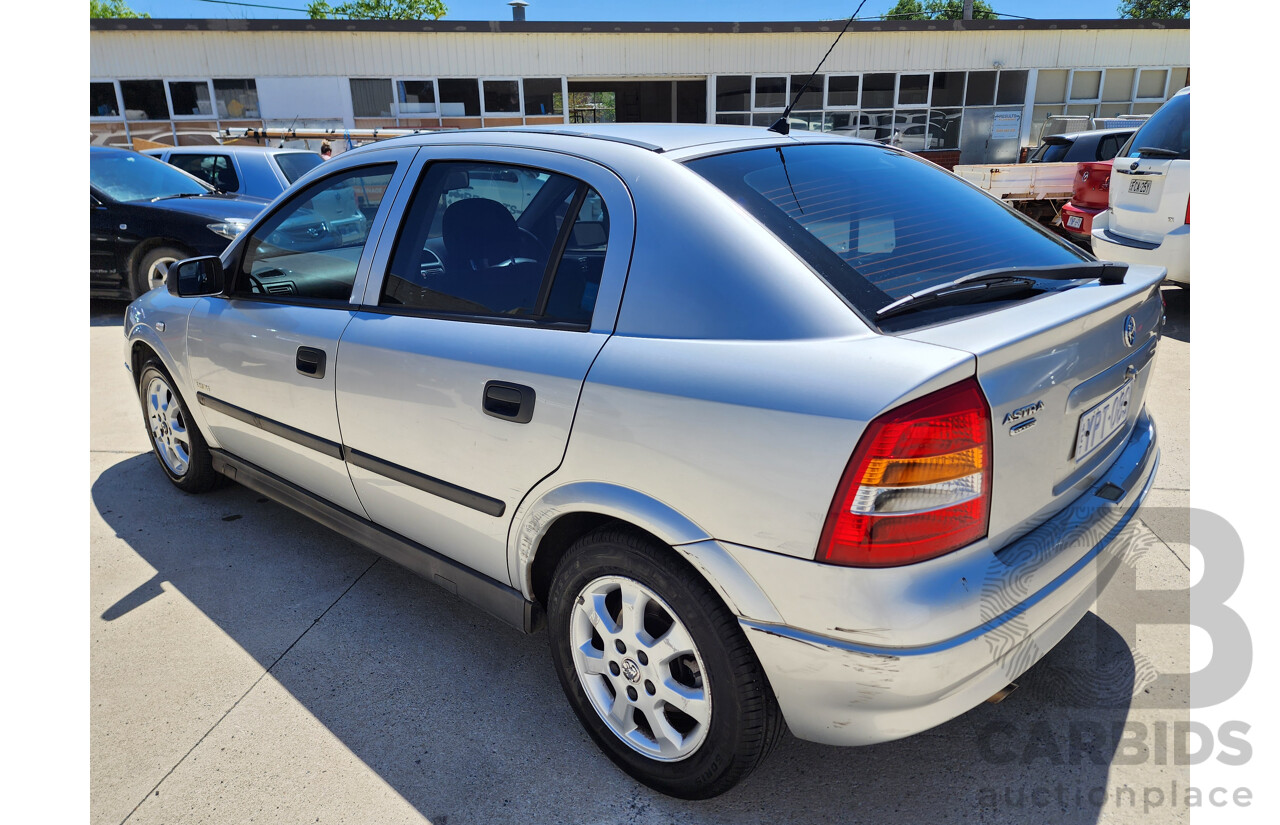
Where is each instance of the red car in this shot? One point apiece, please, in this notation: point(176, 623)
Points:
point(1089, 193)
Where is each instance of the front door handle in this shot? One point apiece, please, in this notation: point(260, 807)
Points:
point(510, 402)
point(311, 362)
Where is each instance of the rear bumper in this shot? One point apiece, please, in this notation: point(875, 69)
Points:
point(1173, 252)
point(1077, 221)
point(852, 685)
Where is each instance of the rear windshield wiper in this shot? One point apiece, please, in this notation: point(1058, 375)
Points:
point(992, 283)
point(1158, 152)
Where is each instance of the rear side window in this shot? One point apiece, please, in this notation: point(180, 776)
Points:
point(878, 224)
point(296, 164)
point(1051, 152)
point(213, 169)
point(1167, 132)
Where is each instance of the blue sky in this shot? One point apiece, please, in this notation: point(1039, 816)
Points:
point(738, 10)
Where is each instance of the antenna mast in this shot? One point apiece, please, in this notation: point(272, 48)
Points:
point(782, 126)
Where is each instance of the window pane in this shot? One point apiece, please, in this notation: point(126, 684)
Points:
point(460, 97)
point(1151, 83)
point(296, 164)
point(1085, 85)
point(371, 97)
point(502, 97)
point(812, 97)
point(842, 90)
point(878, 225)
point(948, 88)
point(731, 94)
point(1051, 86)
point(771, 93)
point(944, 129)
point(1013, 88)
point(471, 244)
point(543, 96)
point(417, 97)
point(236, 98)
point(1177, 79)
point(577, 281)
point(144, 100)
point(913, 89)
point(309, 250)
point(1118, 85)
point(216, 170)
point(102, 100)
point(982, 89)
point(877, 90)
point(734, 119)
point(190, 99)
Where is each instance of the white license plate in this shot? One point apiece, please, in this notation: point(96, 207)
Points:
point(1074, 221)
point(1140, 187)
point(1102, 421)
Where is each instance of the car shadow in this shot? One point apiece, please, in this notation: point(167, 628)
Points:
point(464, 718)
point(1177, 313)
point(104, 312)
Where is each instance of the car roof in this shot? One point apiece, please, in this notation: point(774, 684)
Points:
point(234, 148)
point(656, 137)
point(1097, 132)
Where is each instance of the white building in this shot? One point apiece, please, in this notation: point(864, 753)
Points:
point(974, 91)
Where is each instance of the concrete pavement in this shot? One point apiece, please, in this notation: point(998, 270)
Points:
point(248, 665)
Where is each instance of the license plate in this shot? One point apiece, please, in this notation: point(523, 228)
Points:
point(1103, 421)
point(1074, 221)
point(1140, 187)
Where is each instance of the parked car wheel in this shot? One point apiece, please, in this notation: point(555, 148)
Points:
point(153, 268)
point(657, 668)
point(175, 440)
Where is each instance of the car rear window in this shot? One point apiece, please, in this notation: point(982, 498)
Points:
point(1051, 152)
point(296, 164)
point(1168, 130)
point(876, 223)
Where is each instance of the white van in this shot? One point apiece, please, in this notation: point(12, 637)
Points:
point(1149, 216)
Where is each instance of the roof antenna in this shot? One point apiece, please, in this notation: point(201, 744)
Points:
point(782, 126)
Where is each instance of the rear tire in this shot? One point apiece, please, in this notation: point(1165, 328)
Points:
point(657, 668)
point(176, 442)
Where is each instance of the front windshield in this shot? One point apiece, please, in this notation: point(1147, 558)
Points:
point(134, 177)
point(1168, 132)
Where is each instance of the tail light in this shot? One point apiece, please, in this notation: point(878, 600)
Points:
point(918, 485)
point(1188, 209)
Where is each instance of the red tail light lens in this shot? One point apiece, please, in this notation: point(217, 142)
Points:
point(1188, 209)
point(918, 485)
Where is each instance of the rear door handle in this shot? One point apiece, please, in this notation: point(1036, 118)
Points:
point(311, 362)
point(510, 402)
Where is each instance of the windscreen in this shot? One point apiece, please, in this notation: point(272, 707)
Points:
point(128, 176)
point(878, 224)
point(296, 164)
point(1168, 130)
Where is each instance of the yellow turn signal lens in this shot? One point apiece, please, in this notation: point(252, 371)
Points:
point(912, 472)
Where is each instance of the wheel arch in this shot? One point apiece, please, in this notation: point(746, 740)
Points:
point(544, 531)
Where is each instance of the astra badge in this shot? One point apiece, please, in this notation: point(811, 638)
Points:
point(1130, 331)
point(1023, 413)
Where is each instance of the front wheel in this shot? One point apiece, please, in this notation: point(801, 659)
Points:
point(657, 668)
point(175, 440)
point(153, 269)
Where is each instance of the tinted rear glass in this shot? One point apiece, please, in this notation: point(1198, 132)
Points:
point(1168, 129)
point(878, 224)
point(297, 164)
point(1051, 152)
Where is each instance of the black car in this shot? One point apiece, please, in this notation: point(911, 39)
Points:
point(145, 214)
point(1096, 144)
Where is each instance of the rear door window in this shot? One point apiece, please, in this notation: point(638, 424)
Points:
point(878, 224)
point(217, 170)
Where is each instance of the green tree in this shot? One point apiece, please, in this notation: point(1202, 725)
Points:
point(112, 8)
point(938, 10)
point(379, 10)
point(1155, 9)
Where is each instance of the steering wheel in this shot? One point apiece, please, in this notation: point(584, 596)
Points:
point(255, 285)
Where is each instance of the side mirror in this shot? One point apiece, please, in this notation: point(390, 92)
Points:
point(196, 277)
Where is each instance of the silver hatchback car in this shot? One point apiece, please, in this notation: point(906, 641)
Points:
point(750, 423)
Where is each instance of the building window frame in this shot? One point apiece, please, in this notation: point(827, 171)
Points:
point(116, 118)
point(208, 85)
